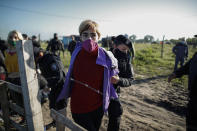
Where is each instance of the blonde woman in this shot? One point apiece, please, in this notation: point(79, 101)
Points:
point(11, 60)
point(88, 81)
point(11, 64)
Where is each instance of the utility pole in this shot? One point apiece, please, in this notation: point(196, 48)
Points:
point(162, 46)
point(39, 38)
point(107, 42)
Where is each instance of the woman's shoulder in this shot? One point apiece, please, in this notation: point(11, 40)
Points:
point(110, 57)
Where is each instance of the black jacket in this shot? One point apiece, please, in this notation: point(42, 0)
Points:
point(55, 45)
point(71, 46)
point(180, 50)
point(190, 69)
point(124, 66)
point(36, 44)
point(52, 69)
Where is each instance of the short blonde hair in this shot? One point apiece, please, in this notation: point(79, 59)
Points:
point(89, 24)
point(20, 37)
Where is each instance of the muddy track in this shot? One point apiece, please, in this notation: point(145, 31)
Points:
point(150, 104)
point(153, 105)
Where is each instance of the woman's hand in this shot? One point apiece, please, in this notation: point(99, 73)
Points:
point(115, 79)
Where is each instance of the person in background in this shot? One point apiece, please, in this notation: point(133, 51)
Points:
point(35, 42)
point(181, 52)
point(89, 93)
point(2, 72)
point(11, 64)
point(72, 44)
point(132, 50)
point(25, 37)
point(112, 45)
point(122, 53)
point(55, 45)
point(190, 69)
point(3, 46)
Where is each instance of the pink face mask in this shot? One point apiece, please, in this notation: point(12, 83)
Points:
point(89, 45)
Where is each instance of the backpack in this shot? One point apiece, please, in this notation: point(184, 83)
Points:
point(52, 69)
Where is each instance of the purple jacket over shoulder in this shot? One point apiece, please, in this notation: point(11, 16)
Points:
point(110, 70)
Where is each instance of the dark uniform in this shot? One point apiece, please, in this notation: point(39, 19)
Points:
point(2, 69)
point(181, 52)
point(71, 46)
point(55, 46)
point(126, 78)
point(3, 46)
point(35, 42)
point(190, 69)
point(53, 71)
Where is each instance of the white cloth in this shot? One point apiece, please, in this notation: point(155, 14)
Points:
point(113, 59)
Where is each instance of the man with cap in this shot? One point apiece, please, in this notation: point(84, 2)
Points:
point(122, 53)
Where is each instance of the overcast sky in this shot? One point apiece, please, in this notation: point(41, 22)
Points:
point(172, 18)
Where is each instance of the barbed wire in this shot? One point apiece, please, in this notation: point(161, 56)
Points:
point(27, 82)
point(9, 83)
point(79, 82)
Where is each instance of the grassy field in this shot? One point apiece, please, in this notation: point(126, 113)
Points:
point(148, 61)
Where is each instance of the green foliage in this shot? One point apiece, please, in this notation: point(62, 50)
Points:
point(145, 56)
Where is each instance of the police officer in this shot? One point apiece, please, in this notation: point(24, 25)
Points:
point(35, 42)
point(3, 46)
point(55, 45)
point(53, 71)
point(190, 69)
point(181, 52)
point(72, 44)
point(25, 37)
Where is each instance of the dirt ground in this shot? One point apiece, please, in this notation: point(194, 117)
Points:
point(150, 104)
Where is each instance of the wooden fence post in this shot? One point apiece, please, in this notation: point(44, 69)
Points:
point(162, 47)
point(29, 84)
